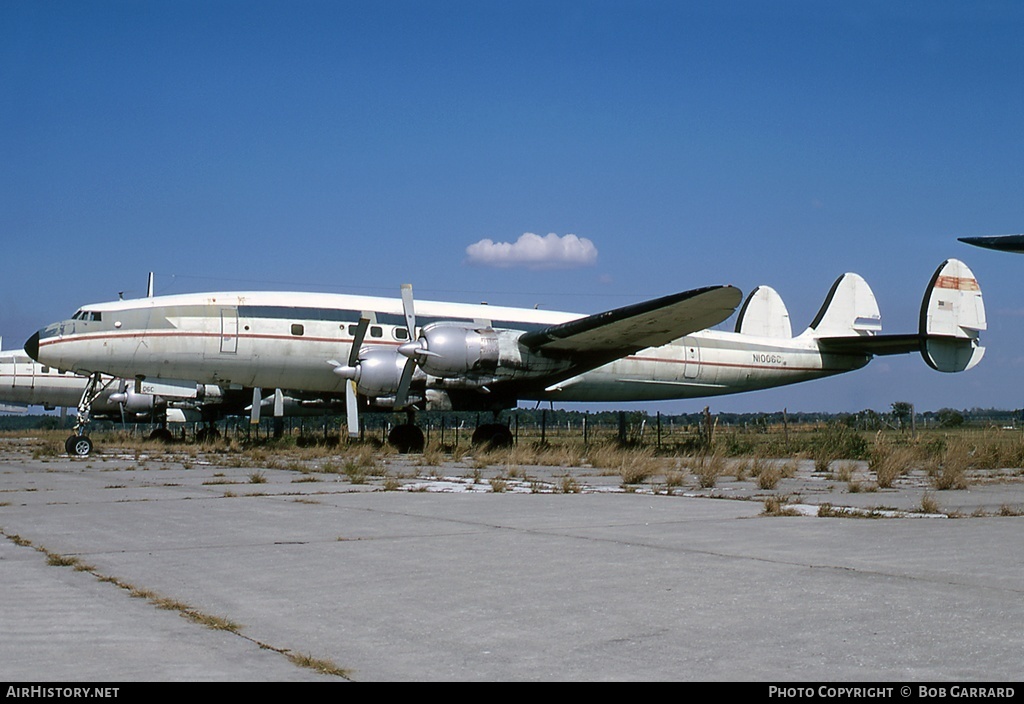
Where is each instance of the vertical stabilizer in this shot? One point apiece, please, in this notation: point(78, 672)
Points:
point(764, 315)
point(952, 318)
point(849, 310)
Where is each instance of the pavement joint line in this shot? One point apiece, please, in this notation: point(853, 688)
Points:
point(184, 610)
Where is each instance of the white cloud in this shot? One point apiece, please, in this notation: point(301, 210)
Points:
point(534, 252)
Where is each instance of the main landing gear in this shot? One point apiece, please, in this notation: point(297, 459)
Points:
point(492, 436)
point(407, 437)
point(162, 434)
point(79, 444)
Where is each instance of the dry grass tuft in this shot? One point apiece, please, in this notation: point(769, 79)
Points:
point(776, 506)
point(929, 504)
point(325, 667)
point(949, 471)
point(769, 477)
point(708, 469)
point(889, 462)
point(569, 485)
point(499, 485)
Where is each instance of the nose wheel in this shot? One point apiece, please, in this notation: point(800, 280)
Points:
point(78, 445)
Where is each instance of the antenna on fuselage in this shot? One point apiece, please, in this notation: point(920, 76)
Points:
point(149, 286)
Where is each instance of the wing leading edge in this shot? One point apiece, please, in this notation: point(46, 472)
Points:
point(1003, 243)
point(623, 331)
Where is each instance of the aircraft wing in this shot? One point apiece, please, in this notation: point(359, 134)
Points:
point(1004, 243)
point(623, 331)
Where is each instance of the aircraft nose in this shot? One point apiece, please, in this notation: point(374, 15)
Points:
point(32, 347)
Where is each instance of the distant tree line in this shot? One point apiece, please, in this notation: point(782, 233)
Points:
point(899, 416)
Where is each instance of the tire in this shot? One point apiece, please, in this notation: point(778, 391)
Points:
point(162, 434)
point(406, 438)
point(78, 445)
point(492, 435)
point(204, 435)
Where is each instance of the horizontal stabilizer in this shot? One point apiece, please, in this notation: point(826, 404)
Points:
point(649, 324)
point(764, 315)
point(873, 345)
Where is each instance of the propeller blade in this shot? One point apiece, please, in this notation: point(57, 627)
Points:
point(357, 341)
point(257, 399)
point(351, 409)
point(402, 395)
point(409, 310)
point(278, 403)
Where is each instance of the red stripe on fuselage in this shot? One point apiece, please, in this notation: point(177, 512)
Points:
point(87, 337)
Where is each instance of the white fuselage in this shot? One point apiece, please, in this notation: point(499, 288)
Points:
point(25, 381)
point(284, 340)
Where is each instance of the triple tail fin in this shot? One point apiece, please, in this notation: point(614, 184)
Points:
point(952, 318)
point(849, 310)
point(764, 315)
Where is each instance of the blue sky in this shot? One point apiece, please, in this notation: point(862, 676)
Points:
point(353, 146)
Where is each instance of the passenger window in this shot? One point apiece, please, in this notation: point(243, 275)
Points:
point(297, 329)
point(376, 331)
point(401, 334)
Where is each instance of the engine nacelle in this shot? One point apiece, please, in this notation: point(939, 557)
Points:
point(378, 372)
point(210, 393)
point(451, 350)
point(134, 402)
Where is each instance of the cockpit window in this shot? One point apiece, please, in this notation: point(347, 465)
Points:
point(87, 315)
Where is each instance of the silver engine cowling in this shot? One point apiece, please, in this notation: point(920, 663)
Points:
point(134, 402)
point(451, 350)
point(378, 372)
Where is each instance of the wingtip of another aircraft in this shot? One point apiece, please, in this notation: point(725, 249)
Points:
point(1002, 243)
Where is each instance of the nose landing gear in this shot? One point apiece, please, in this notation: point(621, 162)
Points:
point(79, 444)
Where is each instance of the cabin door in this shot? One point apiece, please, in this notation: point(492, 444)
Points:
point(229, 330)
point(692, 366)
